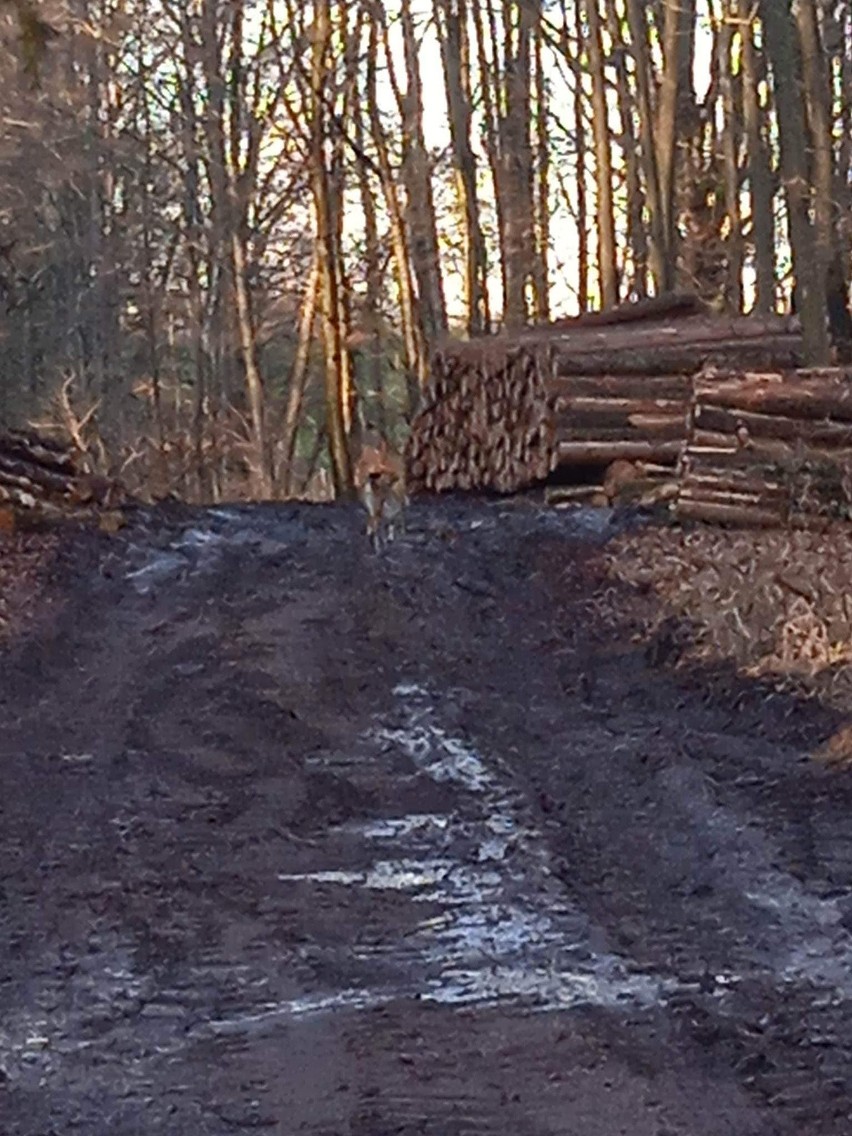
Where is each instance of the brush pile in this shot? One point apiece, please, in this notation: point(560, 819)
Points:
point(43, 481)
point(775, 604)
point(768, 449)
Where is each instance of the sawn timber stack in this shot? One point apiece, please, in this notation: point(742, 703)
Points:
point(564, 402)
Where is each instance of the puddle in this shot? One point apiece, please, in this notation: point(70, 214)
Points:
point(505, 931)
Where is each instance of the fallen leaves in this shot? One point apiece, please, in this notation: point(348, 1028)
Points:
point(776, 603)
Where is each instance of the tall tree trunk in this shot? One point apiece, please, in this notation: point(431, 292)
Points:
point(780, 32)
point(262, 469)
point(326, 229)
point(761, 191)
point(661, 263)
point(816, 83)
point(519, 21)
point(637, 235)
point(451, 18)
point(487, 66)
point(579, 124)
point(417, 176)
point(730, 138)
point(607, 265)
point(506, 77)
point(369, 326)
point(676, 100)
point(541, 272)
point(299, 378)
point(416, 357)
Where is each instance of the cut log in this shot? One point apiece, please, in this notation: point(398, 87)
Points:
point(630, 387)
point(635, 311)
point(741, 515)
point(733, 480)
point(782, 395)
point(666, 358)
point(755, 449)
point(41, 481)
point(575, 494)
point(601, 453)
point(621, 406)
point(825, 434)
point(48, 453)
point(662, 430)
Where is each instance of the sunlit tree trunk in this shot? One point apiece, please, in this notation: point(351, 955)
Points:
point(416, 357)
point(417, 177)
point(676, 100)
point(637, 235)
point(541, 272)
point(451, 19)
point(661, 262)
point(731, 133)
point(819, 121)
point(607, 264)
point(327, 249)
point(761, 189)
point(298, 379)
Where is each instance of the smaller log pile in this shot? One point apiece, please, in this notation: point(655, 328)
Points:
point(485, 423)
point(42, 482)
point(768, 449)
point(622, 393)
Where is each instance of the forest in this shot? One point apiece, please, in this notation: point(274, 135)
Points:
point(232, 232)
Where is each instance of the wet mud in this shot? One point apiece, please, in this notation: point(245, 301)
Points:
point(300, 838)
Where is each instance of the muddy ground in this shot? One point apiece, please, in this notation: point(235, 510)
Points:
point(301, 839)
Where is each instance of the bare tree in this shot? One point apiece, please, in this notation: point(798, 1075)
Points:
point(780, 31)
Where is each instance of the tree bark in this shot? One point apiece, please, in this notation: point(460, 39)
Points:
point(674, 96)
point(661, 263)
point(761, 190)
point(816, 85)
point(326, 230)
point(730, 139)
point(780, 32)
point(607, 264)
point(298, 378)
point(451, 17)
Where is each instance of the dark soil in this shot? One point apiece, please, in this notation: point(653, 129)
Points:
point(303, 839)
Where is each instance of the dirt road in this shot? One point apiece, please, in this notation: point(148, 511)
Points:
point(305, 840)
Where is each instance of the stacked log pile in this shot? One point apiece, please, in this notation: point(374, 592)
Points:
point(768, 449)
point(486, 422)
point(580, 395)
point(42, 481)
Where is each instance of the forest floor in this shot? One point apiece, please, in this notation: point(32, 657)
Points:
point(461, 839)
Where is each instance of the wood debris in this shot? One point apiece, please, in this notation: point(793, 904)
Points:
point(43, 482)
point(775, 603)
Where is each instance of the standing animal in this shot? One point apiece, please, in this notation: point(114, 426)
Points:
point(380, 481)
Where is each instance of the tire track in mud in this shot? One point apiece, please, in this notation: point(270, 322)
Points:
point(499, 927)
